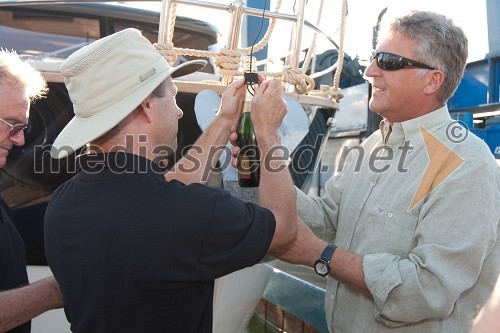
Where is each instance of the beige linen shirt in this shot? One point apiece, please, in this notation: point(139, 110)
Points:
point(425, 216)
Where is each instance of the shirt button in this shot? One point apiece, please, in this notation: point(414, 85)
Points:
point(390, 214)
point(332, 297)
point(372, 183)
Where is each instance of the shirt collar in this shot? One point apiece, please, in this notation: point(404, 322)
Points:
point(409, 130)
point(118, 162)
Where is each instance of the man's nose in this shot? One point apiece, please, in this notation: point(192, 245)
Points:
point(18, 138)
point(372, 70)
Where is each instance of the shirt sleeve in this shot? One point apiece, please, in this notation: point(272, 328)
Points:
point(238, 236)
point(320, 213)
point(456, 232)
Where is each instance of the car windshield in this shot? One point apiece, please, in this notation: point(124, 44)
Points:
point(52, 33)
point(41, 35)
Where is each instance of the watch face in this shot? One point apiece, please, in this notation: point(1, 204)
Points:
point(321, 268)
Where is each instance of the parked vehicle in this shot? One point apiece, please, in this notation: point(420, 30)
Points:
point(46, 35)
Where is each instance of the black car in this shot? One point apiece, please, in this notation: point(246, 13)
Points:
point(45, 35)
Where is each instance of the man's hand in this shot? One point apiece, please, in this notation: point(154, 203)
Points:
point(232, 102)
point(268, 108)
point(207, 150)
point(268, 111)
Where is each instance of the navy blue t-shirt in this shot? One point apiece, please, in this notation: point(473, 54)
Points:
point(133, 252)
point(12, 258)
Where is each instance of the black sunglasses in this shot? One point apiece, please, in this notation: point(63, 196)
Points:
point(393, 62)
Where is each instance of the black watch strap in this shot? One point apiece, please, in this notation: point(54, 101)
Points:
point(328, 252)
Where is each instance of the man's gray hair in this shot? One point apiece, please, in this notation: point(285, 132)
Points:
point(440, 44)
point(15, 70)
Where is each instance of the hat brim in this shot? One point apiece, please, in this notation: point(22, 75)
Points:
point(80, 131)
point(188, 67)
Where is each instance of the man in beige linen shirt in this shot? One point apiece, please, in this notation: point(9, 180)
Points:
point(414, 216)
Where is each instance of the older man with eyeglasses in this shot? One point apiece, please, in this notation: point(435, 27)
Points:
point(409, 228)
point(19, 301)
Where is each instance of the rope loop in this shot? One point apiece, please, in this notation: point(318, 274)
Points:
point(303, 83)
point(167, 51)
point(228, 61)
point(328, 91)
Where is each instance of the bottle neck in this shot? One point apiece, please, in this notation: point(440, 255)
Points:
point(248, 100)
point(247, 106)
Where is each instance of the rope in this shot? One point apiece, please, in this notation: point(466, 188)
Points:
point(325, 90)
point(228, 61)
point(167, 51)
point(303, 83)
point(171, 24)
point(171, 56)
point(263, 42)
point(334, 91)
point(312, 48)
point(340, 59)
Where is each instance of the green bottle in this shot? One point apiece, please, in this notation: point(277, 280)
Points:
point(249, 157)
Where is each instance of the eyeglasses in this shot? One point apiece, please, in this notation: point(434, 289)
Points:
point(14, 129)
point(393, 62)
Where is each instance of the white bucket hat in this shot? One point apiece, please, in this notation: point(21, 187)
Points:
point(107, 80)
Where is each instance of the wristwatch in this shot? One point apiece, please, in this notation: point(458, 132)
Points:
point(322, 265)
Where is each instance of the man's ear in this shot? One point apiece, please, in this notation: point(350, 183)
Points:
point(434, 81)
point(145, 110)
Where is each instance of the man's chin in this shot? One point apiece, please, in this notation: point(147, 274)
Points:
point(3, 160)
point(3, 156)
point(376, 108)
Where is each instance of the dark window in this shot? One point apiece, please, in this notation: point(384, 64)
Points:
point(45, 36)
point(182, 38)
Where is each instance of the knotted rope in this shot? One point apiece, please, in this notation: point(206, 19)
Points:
point(334, 91)
point(228, 61)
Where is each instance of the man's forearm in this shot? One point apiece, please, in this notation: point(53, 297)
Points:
point(276, 190)
point(305, 248)
point(346, 267)
point(201, 159)
point(20, 305)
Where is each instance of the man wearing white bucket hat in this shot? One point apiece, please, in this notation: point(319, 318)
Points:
point(136, 250)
